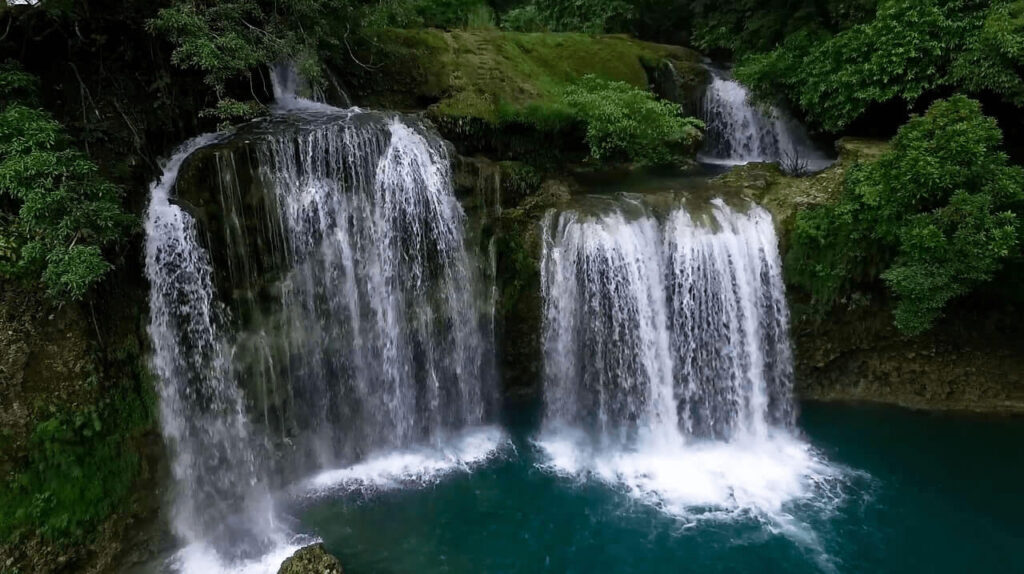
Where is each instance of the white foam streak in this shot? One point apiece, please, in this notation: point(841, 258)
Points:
point(412, 467)
point(202, 558)
point(706, 479)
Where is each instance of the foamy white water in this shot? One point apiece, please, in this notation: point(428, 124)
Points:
point(668, 371)
point(293, 92)
point(200, 558)
point(412, 467)
point(699, 481)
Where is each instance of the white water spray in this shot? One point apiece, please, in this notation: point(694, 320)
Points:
point(667, 368)
point(221, 496)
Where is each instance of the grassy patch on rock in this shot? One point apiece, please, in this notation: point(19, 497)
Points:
point(493, 90)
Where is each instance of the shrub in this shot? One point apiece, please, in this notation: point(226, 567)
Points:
point(933, 218)
point(625, 122)
point(61, 213)
point(910, 49)
point(523, 19)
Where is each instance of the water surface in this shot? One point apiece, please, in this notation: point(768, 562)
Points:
point(919, 493)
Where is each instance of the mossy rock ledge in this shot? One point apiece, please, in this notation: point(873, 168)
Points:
point(312, 559)
point(500, 93)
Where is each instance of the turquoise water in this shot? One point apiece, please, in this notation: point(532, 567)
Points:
point(908, 492)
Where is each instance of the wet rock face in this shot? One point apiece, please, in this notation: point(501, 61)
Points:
point(970, 361)
point(312, 559)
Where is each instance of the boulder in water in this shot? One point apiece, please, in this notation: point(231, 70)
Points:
point(312, 559)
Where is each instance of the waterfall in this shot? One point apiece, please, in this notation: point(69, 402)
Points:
point(293, 92)
point(740, 132)
point(312, 302)
point(667, 366)
point(216, 470)
point(675, 329)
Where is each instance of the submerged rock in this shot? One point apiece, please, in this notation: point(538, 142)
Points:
point(312, 559)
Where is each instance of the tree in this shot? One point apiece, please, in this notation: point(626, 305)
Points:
point(933, 218)
point(60, 213)
point(909, 49)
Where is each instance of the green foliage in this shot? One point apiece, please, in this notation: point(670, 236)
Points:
point(229, 111)
point(625, 122)
point(910, 48)
point(480, 17)
point(934, 217)
point(392, 14)
point(524, 19)
point(81, 467)
point(61, 213)
point(587, 16)
point(993, 61)
point(660, 20)
point(16, 84)
point(228, 39)
point(452, 14)
point(749, 26)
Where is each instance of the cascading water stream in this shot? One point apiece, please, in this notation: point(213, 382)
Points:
point(739, 132)
point(216, 468)
point(667, 368)
point(677, 329)
point(312, 303)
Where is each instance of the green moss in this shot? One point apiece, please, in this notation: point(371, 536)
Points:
point(518, 181)
point(502, 93)
point(498, 76)
point(519, 306)
point(784, 196)
point(82, 458)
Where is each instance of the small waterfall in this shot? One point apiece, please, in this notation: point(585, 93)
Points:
point(667, 368)
point(312, 302)
point(739, 132)
point(293, 92)
point(670, 329)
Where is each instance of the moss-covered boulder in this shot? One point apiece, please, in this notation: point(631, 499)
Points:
point(520, 306)
point(312, 559)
